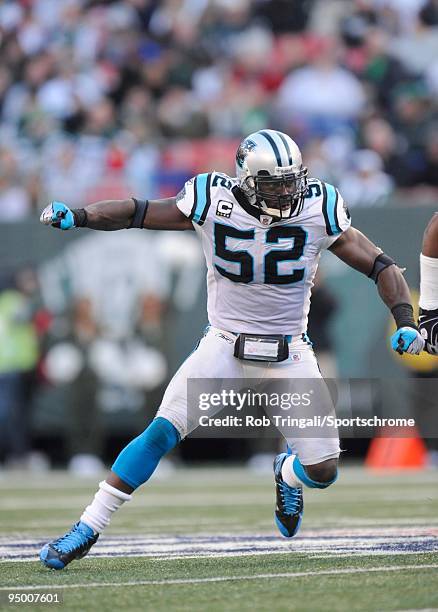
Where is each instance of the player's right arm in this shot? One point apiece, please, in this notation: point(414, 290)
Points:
point(110, 215)
point(428, 322)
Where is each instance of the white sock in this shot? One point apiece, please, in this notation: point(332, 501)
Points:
point(288, 474)
point(107, 500)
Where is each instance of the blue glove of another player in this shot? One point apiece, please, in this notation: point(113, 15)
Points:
point(407, 340)
point(58, 215)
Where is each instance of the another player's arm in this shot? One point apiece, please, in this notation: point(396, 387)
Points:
point(430, 238)
point(110, 215)
point(429, 287)
point(360, 253)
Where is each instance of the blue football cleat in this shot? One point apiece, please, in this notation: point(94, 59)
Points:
point(73, 545)
point(289, 509)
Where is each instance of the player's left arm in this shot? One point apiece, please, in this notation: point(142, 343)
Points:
point(360, 253)
point(428, 322)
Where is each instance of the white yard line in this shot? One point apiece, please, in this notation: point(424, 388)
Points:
point(217, 555)
point(345, 541)
point(350, 570)
point(376, 553)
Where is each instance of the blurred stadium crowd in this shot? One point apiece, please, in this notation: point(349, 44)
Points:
point(103, 99)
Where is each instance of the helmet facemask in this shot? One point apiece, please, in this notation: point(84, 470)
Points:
point(280, 196)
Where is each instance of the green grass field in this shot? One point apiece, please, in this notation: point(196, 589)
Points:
point(205, 540)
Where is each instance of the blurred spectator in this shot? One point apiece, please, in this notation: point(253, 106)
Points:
point(178, 115)
point(321, 98)
point(381, 70)
point(65, 177)
point(379, 136)
point(355, 26)
point(399, 15)
point(19, 353)
point(418, 49)
point(317, 161)
point(15, 202)
point(67, 364)
point(428, 175)
point(282, 17)
point(413, 119)
point(429, 13)
point(366, 184)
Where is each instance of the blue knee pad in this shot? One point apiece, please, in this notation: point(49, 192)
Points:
point(300, 472)
point(137, 461)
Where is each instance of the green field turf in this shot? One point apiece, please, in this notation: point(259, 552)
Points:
point(204, 540)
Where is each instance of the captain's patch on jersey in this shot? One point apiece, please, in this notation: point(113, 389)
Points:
point(224, 208)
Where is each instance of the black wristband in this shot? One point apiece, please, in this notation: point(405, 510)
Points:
point(404, 316)
point(80, 217)
point(141, 207)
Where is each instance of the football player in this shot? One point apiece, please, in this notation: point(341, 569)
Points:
point(429, 287)
point(262, 233)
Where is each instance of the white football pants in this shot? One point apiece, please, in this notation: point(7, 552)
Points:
point(214, 359)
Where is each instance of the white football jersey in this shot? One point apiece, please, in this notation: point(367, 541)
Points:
point(260, 273)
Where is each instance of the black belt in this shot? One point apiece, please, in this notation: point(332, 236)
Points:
point(262, 347)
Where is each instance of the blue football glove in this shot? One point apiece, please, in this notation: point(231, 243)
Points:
point(407, 340)
point(58, 215)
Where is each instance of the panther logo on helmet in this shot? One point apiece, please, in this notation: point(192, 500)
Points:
point(245, 147)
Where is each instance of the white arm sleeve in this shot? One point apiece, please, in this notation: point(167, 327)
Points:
point(428, 282)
